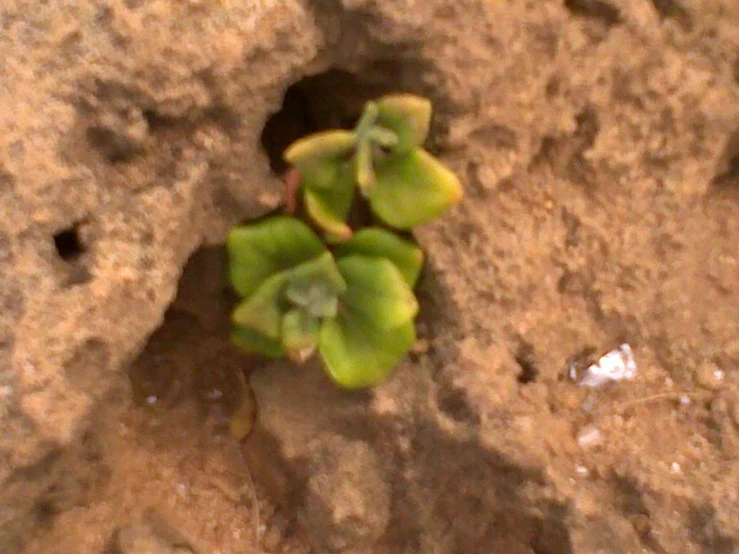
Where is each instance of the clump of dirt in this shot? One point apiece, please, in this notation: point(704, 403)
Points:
point(597, 144)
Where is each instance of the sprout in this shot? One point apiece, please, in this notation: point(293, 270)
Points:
point(353, 303)
point(356, 308)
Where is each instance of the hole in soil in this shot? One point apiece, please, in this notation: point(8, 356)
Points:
point(330, 100)
point(190, 359)
point(114, 146)
point(334, 100)
point(526, 361)
point(68, 244)
point(595, 9)
point(453, 402)
point(670, 9)
point(728, 173)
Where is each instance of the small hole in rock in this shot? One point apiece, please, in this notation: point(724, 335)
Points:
point(525, 359)
point(156, 121)
point(68, 244)
point(670, 9)
point(594, 9)
point(728, 173)
point(454, 403)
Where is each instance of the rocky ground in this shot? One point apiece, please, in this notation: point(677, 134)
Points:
point(598, 144)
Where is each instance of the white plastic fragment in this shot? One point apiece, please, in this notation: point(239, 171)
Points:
point(582, 470)
point(675, 468)
point(215, 394)
point(618, 364)
point(151, 400)
point(589, 437)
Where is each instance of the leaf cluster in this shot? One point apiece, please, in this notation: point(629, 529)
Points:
point(346, 293)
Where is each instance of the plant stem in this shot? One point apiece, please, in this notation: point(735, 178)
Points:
point(382, 137)
point(365, 171)
point(369, 116)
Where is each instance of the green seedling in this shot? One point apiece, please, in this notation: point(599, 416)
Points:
point(355, 306)
point(383, 158)
point(347, 295)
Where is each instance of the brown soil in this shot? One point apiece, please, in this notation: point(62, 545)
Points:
point(598, 143)
point(167, 473)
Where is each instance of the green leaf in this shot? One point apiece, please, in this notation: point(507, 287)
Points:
point(319, 156)
point(357, 354)
point(251, 341)
point(365, 173)
point(261, 312)
point(413, 189)
point(376, 242)
point(382, 137)
point(264, 248)
point(315, 286)
point(329, 206)
point(300, 332)
point(376, 292)
point(409, 116)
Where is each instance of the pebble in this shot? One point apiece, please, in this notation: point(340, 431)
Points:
point(710, 376)
point(589, 437)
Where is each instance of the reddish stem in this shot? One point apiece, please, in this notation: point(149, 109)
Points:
point(292, 179)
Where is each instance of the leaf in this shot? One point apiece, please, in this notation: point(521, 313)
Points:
point(251, 341)
point(365, 173)
point(357, 354)
point(409, 116)
point(376, 242)
point(413, 189)
point(376, 292)
point(319, 156)
point(315, 286)
point(242, 420)
point(300, 331)
point(264, 248)
point(329, 206)
point(261, 311)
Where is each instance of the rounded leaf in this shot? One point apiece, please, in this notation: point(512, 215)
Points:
point(413, 189)
point(329, 206)
point(357, 354)
point(376, 292)
point(379, 243)
point(261, 312)
point(300, 331)
point(251, 341)
point(319, 156)
point(409, 116)
point(261, 249)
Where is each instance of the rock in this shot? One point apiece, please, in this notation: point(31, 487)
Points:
point(596, 142)
point(710, 376)
point(347, 500)
point(116, 162)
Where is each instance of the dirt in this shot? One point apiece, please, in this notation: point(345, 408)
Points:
point(598, 144)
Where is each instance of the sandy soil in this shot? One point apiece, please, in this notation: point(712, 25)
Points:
point(598, 143)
